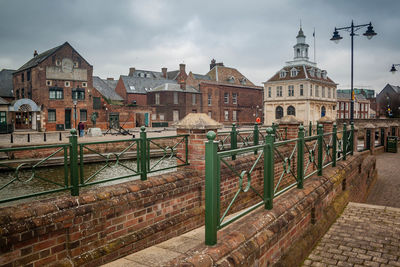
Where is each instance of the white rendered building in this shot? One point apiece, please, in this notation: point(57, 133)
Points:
point(300, 88)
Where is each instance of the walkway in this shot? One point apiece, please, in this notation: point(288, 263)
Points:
point(366, 234)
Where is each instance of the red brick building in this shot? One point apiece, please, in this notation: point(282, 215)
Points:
point(53, 81)
point(227, 95)
point(362, 107)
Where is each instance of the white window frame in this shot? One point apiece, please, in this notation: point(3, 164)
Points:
point(279, 91)
point(301, 90)
point(226, 98)
point(209, 100)
point(157, 99)
point(226, 115)
point(162, 117)
point(234, 98)
point(282, 74)
point(234, 115)
point(269, 91)
point(67, 84)
point(176, 100)
point(290, 90)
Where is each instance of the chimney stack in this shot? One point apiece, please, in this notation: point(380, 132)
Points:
point(182, 76)
point(35, 53)
point(110, 79)
point(212, 64)
point(131, 71)
point(164, 72)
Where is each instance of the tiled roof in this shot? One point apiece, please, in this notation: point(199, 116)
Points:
point(105, 89)
point(6, 83)
point(141, 85)
point(175, 88)
point(303, 72)
point(224, 74)
point(39, 58)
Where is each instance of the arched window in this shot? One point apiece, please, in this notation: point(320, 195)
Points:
point(323, 111)
point(291, 111)
point(278, 112)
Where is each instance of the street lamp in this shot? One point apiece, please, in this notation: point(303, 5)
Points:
point(336, 38)
point(75, 102)
point(393, 69)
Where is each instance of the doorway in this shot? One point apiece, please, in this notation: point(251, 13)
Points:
point(67, 119)
point(114, 120)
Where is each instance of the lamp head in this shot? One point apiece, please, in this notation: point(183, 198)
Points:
point(336, 37)
point(370, 32)
point(393, 69)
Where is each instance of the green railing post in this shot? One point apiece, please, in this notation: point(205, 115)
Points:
point(81, 171)
point(334, 145)
point(310, 129)
point(352, 138)
point(233, 139)
point(73, 141)
point(211, 189)
point(285, 133)
point(255, 136)
point(344, 141)
point(300, 157)
point(320, 132)
point(143, 152)
point(269, 169)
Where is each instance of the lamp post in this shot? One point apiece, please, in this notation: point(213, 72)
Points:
point(336, 38)
point(75, 102)
point(393, 68)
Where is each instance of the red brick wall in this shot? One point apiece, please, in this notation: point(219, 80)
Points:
point(106, 223)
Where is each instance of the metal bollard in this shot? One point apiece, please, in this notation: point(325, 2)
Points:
point(12, 138)
point(29, 138)
point(60, 136)
point(44, 137)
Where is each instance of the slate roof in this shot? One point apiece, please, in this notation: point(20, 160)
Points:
point(175, 88)
point(303, 72)
point(39, 58)
point(105, 89)
point(6, 83)
point(395, 88)
point(201, 77)
point(111, 83)
point(346, 95)
point(3, 101)
point(141, 85)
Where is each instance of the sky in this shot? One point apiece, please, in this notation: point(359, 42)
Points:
point(255, 37)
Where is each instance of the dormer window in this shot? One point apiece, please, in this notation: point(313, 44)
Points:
point(231, 79)
point(318, 73)
point(132, 87)
point(324, 74)
point(147, 75)
point(243, 80)
point(141, 74)
point(312, 72)
point(282, 74)
point(293, 72)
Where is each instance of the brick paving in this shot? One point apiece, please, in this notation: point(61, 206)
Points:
point(364, 235)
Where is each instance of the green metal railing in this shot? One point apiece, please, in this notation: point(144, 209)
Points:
point(300, 158)
point(173, 149)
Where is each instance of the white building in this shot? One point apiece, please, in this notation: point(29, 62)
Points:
point(300, 88)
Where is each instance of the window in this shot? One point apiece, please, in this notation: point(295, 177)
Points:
point(78, 94)
point(317, 91)
point(175, 97)
point(290, 90)
point(301, 90)
point(83, 115)
point(157, 99)
point(231, 79)
point(56, 93)
point(278, 112)
point(310, 89)
point(312, 72)
point(329, 92)
point(17, 94)
point(234, 115)
point(243, 80)
point(22, 93)
point(58, 62)
point(323, 111)
point(153, 116)
point(22, 77)
point(76, 64)
point(279, 91)
point(147, 75)
point(209, 114)
point(28, 75)
point(84, 84)
point(209, 99)
point(48, 83)
point(291, 111)
point(67, 84)
point(269, 91)
point(226, 98)
point(193, 99)
point(323, 91)
point(347, 106)
point(293, 72)
point(282, 74)
point(96, 103)
point(234, 98)
point(161, 117)
point(3, 117)
point(226, 115)
point(51, 117)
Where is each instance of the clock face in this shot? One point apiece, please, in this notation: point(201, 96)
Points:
point(67, 65)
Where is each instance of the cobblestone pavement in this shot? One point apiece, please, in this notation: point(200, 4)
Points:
point(365, 235)
point(386, 191)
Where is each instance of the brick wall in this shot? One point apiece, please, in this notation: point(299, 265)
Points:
point(107, 223)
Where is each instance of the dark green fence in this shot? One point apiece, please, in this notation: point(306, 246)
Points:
point(72, 156)
point(300, 158)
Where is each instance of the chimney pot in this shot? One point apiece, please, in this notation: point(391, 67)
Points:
point(110, 79)
point(35, 53)
point(164, 72)
point(131, 71)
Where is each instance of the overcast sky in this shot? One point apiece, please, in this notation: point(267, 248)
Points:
point(256, 37)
